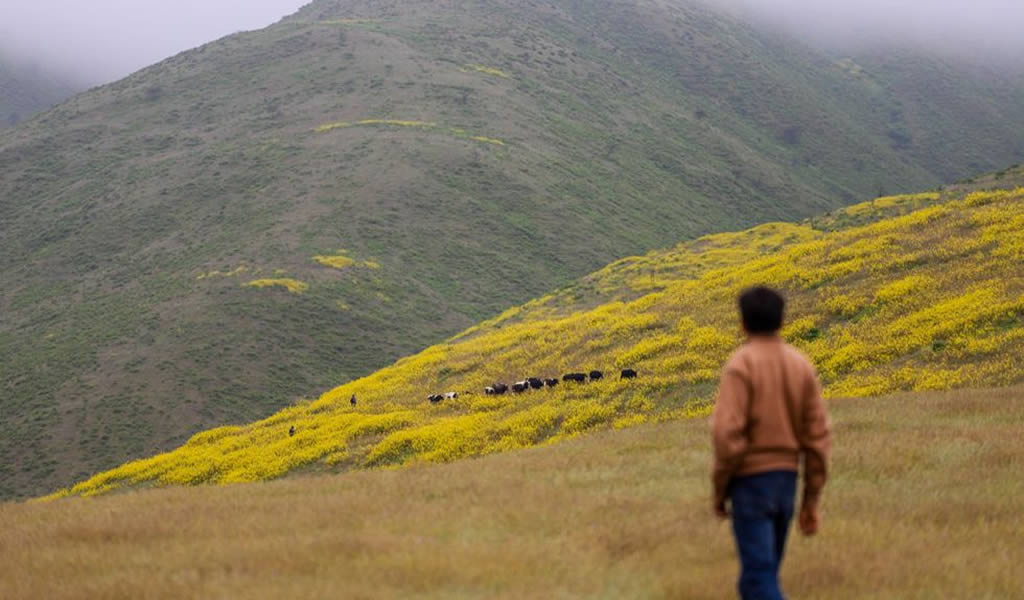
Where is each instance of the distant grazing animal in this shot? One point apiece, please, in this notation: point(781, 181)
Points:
point(535, 383)
point(451, 395)
point(577, 377)
point(291, 431)
point(489, 390)
point(551, 382)
point(520, 386)
point(352, 400)
point(500, 388)
point(595, 375)
point(628, 374)
point(435, 398)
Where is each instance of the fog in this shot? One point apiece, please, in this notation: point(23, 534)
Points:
point(96, 41)
point(988, 30)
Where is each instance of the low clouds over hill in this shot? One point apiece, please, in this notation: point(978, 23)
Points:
point(100, 41)
point(977, 29)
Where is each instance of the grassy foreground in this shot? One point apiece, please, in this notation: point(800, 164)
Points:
point(924, 503)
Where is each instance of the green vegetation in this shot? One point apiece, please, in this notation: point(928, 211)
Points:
point(915, 298)
point(619, 128)
point(923, 485)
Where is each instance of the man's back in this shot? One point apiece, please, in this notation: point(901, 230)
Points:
point(769, 409)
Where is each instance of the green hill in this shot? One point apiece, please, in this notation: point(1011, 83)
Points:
point(385, 175)
point(920, 292)
point(26, 90)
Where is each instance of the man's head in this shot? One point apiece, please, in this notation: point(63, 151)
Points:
point(761, 309)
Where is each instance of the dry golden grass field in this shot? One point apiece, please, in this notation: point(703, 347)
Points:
point(925, 502)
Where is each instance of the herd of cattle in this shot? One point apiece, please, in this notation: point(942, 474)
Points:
point(533, 383)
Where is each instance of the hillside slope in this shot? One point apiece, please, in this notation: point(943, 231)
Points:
point(26, 90)
point(386, 174)
point(921, 292)
point(621, 514)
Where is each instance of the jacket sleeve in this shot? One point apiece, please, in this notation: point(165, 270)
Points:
point(815, 441)
point(729, 429)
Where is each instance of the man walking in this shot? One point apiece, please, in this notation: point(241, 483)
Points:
point(768, 415)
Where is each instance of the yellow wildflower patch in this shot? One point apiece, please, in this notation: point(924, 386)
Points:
point(486, 70)
point(292, 285)
point(902, 289)
point(338, 261)
point(487, 140)
point(331, 126)
point(397, 123)
point(425, 125)
point(369, 122)
point(342, 262)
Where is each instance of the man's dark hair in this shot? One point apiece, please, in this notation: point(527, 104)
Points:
point(762, 309)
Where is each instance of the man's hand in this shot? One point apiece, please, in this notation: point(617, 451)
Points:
point(719, 507)
point(810, 520)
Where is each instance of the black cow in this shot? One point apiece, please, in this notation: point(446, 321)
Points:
point(520, 386)
point(291, 431)
point(352, 400)
point(551, 382)
point(628, 374)
point(595, 375)
point(500, 388)
point(577, 377)
point(535, 383)
point(435, 398)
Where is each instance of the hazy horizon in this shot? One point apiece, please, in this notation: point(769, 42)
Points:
point(108, 39)
point(986, 30)
point(104, 40)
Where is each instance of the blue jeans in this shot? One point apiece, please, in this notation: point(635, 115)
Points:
point(762, 507)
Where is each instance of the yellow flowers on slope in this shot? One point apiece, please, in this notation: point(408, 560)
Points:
point(487, 140)
point(393, 122)
point(422, 125)
point(929, 299)
point(486, 70)
point(292, 285)
point(342, 262)
point(336, 262)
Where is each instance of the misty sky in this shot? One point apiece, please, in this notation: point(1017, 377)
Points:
point(102, 40)
point(978, 28)
point(97, 41)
